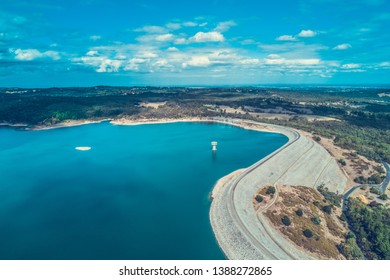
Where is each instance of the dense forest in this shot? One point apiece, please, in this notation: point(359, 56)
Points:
point(370, 225)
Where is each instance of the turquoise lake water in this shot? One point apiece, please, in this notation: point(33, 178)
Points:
point(141, 192)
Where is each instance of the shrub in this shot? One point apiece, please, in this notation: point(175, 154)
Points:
point(374, 204)
point(327, 209)
point(299, 212)
point(308, 233)
point(271, 190)
point(343, 217)
point(259, 198)
point(316, 220)
point(317, 138)
point(286, 221)
point(342, 162)
point(374, 190)
point(379, 169)
point(383, 196)
point(317, 203)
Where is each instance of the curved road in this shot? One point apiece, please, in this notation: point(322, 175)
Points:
point(233, 210)
point(243, 232)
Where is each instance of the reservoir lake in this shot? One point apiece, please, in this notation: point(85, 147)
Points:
point(140, 192)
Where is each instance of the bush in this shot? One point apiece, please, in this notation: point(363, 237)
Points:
point(374, 204)
point(286, 221)
point(327, 209)
point(371, 228)
point(308, 233)
point(383, 196)
point(271, 190)
point(350, 249)
point(375, 179)
point(299, 212)
point(259, 198)
point(342, 162)
point(317, 138)
point(343, 217)
point(316, 220)
point(374, 190)
point(317, 204)
point(332, 197)
point(379, 169)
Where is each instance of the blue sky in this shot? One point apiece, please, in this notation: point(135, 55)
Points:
point(214, 42)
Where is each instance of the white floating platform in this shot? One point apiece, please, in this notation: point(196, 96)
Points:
point(83, 148)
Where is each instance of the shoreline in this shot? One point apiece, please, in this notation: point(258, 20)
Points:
point(242, 123)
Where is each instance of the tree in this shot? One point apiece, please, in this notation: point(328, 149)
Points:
point(308, 233)
point(259, 198)
point(299, 212)
point(374, 190)
point(271, 190)
point(286, 221)
point(371, 226)
point(316, 220)
point(317, 138)
point(342, 162)
point(327, 209)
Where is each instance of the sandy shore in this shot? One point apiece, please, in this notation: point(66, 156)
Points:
point(235, 122)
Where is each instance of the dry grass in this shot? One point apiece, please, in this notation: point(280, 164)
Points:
point(267, 198)
point(327, 234)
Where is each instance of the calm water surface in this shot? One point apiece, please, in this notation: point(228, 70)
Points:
point(141, 192)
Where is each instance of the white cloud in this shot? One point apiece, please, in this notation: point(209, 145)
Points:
point(198, 61)
point(95, 37)
point(134, 64)
point(189, 24)
point(350, 66)
point(102, 64)
point(250, 61)
point(342, 47)
point(307, 33)
point(274, 59)
point(213, 36)
point(146, 54)
point(180, 41)
point(156, 38)
point(92, 53)
point(248, 42)
point(165, 37)
point(286, 38)
point(109, 65)
point(32, 54)
point(172, 49)
point(173, 25)
point(384, 64)
point(151, 29)
point(225, 26)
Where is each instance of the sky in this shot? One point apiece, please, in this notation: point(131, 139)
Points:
point(193, 43)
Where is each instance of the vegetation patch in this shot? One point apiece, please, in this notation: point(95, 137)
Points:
point(263, 197)
point(308, 226)
point(370, 224)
